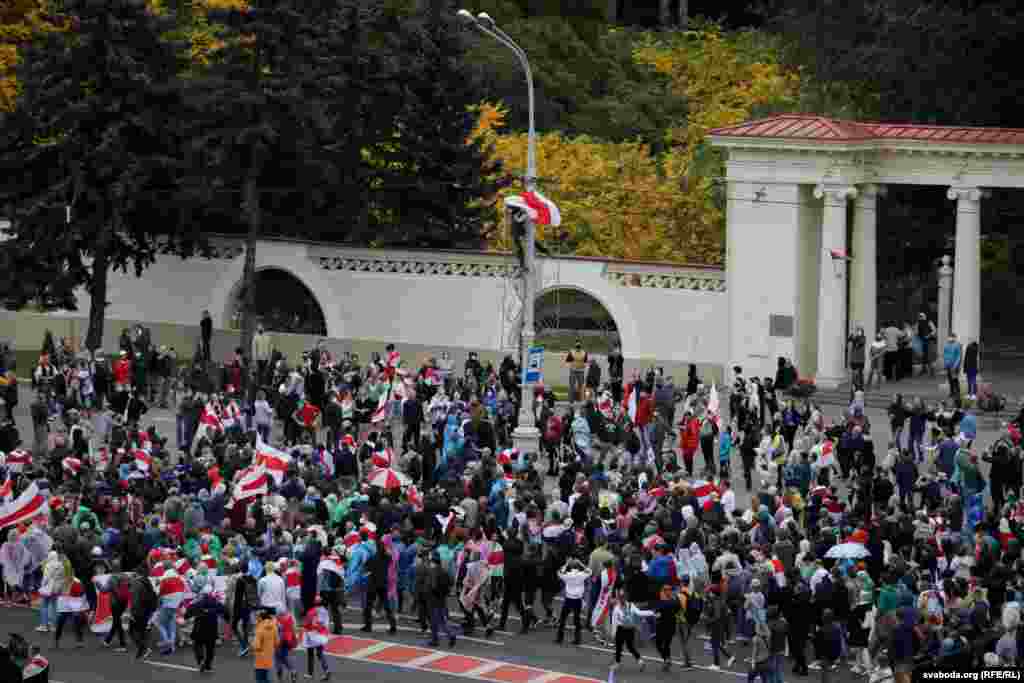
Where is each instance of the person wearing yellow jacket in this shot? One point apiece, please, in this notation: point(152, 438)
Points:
point(264, 644)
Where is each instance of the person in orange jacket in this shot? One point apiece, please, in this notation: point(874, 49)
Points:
point(264, 645)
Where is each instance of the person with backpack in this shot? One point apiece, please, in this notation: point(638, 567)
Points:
point(691, 609)
point(144, 604)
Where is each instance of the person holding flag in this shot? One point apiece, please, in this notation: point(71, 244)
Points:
point(599, 620)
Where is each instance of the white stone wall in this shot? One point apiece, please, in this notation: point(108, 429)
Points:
point(437, 300)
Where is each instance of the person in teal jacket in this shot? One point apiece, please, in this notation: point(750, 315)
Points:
point(725, 452)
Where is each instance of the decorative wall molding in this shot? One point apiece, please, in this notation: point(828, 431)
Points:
point(450, 267)
point(696, 282)
point(226, 252)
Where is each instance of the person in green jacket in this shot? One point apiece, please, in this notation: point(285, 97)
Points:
point(888, 598)
point(83, 515)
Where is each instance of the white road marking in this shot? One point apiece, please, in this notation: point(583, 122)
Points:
point(168, 665)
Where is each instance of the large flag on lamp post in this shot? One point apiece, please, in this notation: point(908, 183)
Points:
point(540, 209)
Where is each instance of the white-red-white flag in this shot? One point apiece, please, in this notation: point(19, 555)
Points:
point(275, 461)
point(252, 484)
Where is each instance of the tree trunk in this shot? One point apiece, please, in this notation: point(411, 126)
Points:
point(684, 14)
point(664, 13)
point(98, 286)
point(251, 206)
point(613, 11)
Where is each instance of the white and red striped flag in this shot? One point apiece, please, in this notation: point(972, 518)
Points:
point(275, 461)
point(602, 608)
point(703, 490)
point(713, 407)
point(71, 465)
point(143, 460)
point(332, 564)
point(252, 484)
point(542, 210)
point(630, 401)
point(381, 411)
point(210, 418)
point(7, 491)
point(17, 460)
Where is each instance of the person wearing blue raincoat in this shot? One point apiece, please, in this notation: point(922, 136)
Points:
point(358, 561)
point(454, 442)
point(581, 435)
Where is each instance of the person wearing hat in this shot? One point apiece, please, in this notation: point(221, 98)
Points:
point(576, 359)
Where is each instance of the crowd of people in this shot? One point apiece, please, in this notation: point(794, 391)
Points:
point(656, 512)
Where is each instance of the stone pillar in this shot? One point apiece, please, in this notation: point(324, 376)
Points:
point(966, 319)
point(832, 331)
point(945, 304)
point(864, 266)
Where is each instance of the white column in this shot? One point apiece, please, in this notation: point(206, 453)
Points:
point(832, 287)
point(966, 319)
point(864, 266)
point(945, 305)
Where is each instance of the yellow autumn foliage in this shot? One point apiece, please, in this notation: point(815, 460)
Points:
point(20, 22)
point(618, 200)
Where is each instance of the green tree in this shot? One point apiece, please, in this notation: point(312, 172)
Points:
point(92, 139)
point(430, 180)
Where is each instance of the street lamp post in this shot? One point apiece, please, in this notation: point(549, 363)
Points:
point(526, 436)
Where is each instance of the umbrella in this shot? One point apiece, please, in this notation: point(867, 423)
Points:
point(387, 478)
point(847, 551)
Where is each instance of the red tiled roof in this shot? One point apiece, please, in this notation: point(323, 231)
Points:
point(822, 129)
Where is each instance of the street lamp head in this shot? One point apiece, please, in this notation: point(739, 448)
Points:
point(485, 19)
point(466, 17)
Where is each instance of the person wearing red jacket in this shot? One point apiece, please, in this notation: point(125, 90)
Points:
point(689, 440)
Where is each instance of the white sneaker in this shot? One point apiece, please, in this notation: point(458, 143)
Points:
point(641, 663)
point(731, 661)
point(714, 667)
point(42, 629)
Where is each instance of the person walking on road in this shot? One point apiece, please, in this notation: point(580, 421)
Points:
point(440, 586)
point(574, 575)
point(207, 613)
point(264, 645)
point(206, 332)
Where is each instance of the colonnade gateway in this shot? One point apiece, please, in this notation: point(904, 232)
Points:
point(794, 184)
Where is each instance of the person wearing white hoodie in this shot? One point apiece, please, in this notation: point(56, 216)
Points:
point(625, 618)
point(574, 575)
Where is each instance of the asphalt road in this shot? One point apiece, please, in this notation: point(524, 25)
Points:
point(505, 658)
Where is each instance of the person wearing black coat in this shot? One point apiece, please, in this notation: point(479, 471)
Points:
point(796, 605)
point(377, 590)
point(310, 560)
point(207, 612)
